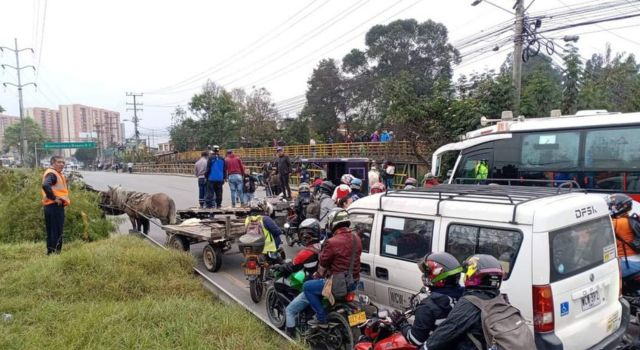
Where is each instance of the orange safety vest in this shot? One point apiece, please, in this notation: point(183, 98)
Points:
point(60, 189)
point(623, 231)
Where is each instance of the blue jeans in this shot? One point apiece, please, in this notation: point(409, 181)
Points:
point(313, 293)
point(202, 189)
point(236, 184)
point(295, 307)
point(388, 183)
point(248, 197)
point(629, 266)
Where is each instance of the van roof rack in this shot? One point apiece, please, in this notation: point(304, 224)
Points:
point(481, 193)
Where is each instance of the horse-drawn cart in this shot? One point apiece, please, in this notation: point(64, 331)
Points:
point(219, 233)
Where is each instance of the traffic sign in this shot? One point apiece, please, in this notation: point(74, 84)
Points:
point(50, 145)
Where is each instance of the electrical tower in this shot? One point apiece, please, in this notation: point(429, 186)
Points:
point(20, 85)
point(135, 110)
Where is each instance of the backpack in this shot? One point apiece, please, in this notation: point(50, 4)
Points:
point(503, 326)
point(313, 209)
point(255, 228)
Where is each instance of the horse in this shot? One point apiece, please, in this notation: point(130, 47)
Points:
point(141, 206)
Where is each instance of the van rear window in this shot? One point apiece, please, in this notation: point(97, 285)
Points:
point(581, 247)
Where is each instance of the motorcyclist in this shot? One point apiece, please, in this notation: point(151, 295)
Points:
point(410, 183)
point(344, 180)
point(335, 258)
point(482, 278)
point(441, 276)
point(619, 207)
point(259, 211)
point(302, 201)
point(356, 186)
point(378, 187)
point(307, 259)
point(326, 203)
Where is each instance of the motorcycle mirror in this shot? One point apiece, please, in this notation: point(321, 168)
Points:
point(364, 299)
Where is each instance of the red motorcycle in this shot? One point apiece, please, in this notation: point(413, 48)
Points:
point(381, 333)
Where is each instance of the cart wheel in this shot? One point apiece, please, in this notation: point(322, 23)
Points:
point(212, 258)
point(178, 242)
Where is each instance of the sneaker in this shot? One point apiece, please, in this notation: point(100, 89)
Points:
point(317, 324)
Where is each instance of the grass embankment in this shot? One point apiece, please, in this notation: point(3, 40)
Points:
point(119, 293)
point(22, 216)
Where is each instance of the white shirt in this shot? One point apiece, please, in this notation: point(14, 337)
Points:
point(312, 142)
point(374, 177)
point(391, 169)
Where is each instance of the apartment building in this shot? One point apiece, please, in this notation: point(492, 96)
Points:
point(5, 121)
point(49, 121)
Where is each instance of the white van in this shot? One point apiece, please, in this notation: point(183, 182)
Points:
point(556, 246)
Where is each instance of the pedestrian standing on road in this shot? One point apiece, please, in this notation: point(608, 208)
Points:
point(284, 171)
point(215, 176)
point(55, 197)
point(249, 186)
point(235, 174)
point(389, 175)
point(130, 166)
point(200, 170)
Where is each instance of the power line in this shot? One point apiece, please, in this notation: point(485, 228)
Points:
point(41, 47)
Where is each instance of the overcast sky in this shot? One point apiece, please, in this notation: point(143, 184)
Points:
point(93, 52)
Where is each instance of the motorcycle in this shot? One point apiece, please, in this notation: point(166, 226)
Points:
point(291, 227)
point(380, 332)
point(631, 293)
point(256, 264)
point(344, 316)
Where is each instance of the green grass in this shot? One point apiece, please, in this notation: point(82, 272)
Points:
point(22, 215)
point(118, 293)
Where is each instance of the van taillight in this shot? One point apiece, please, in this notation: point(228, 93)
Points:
point(542, 308)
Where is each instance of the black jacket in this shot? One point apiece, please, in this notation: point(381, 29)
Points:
point(283, 165)
point(436, 307)
point(463, 319)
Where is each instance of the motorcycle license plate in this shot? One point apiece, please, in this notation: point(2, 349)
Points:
point(357, 318)
point(251, 272)
point(590, 301)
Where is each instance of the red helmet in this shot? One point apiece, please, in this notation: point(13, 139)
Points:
point(378, 187)
point(342, 191)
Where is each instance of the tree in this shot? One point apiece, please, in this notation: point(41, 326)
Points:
point(325, 99)
point(183, 135)
point(86, 155)
point(33, 133)
point(259, 117)
point(540, 94)
point(1, 109)
point(219, 116)
point(571, 80)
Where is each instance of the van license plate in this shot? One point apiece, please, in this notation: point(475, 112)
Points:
point(590, 301)
point(357, 318)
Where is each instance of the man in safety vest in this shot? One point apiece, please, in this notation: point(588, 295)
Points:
point(259, 218)
point(55, 196)
point(482, 170)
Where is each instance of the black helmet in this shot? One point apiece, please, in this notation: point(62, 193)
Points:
point(304, 187)
point(439, 270)
point(309, 231)
point(327, 187)
point(482, 271)
point(619, 203)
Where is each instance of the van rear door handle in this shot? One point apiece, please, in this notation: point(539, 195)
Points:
point(382, 273)
point(365, 269)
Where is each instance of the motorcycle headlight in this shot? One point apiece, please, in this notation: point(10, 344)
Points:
point(286, 225)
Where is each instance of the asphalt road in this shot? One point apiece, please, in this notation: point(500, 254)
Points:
point(184, 191)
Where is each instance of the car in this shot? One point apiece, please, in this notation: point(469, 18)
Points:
point(556, 246)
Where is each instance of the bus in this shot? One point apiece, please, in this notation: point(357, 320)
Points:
point(598, 150)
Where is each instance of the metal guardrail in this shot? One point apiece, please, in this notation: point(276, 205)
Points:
point(396, 150)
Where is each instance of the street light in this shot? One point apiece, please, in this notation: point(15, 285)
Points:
point(477, 2)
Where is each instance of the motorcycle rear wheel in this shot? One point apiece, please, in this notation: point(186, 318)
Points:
point(275, 308)
point(342, 330)
point(256, 288)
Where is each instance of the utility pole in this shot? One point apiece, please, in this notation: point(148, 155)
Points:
point(135, 110)
point(517, 55)
point(23, 139)
point(99, 141)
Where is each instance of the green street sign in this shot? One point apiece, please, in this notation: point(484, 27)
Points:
point(51, 145)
